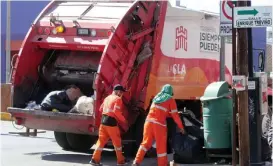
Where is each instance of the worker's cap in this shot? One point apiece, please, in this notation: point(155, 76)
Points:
point(119, 87)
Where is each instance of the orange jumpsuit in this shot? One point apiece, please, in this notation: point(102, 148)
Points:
point(155, 128)
point(111, 106)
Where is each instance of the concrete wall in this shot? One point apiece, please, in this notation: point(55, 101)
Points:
point(23, 13)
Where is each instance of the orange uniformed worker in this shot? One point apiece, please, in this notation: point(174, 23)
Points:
point(112, 119)
point(155, 127)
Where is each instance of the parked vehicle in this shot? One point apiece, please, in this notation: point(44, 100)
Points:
point(142, 45)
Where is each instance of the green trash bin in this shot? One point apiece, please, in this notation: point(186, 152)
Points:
point(217, 116)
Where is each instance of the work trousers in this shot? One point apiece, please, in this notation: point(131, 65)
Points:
point(106, 133)
point(157, 132)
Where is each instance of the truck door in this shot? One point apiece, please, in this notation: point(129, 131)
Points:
point(119, 62)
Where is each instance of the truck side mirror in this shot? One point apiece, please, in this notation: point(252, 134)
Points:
point(261, 60)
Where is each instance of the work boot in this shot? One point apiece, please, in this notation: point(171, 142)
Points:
point(126, 161)
point(135, 164)
point(94, 163)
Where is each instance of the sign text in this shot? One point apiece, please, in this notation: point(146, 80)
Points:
point(209, 42)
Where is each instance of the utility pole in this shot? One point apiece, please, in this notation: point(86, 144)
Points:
point(242, 69)
point(235, 101)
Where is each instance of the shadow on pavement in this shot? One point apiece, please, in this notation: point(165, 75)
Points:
point(79, 158)
point(105, 152)
point(40, 153)
point(16, 135)
point(71, 158)
point(107, 159)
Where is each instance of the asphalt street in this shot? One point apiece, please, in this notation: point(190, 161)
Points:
point(17, 150)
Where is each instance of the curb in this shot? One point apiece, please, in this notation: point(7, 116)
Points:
point(5, 116)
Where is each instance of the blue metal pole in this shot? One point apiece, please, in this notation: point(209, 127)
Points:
point(8, 42)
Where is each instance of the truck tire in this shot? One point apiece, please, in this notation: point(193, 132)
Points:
point(61, 140)
point(80, 142)
point(131, 149)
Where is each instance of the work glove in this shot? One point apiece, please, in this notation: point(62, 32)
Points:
point(182, 131)
point(55, 110)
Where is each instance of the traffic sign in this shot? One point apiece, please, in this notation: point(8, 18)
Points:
point(251, 17)
point(226, 17)
point(226, 11)
point(225, 29)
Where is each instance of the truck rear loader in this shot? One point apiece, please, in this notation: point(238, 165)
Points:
point(141, 45)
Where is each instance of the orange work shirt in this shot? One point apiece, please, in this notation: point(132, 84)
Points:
point(159, 113)
point(112, 106)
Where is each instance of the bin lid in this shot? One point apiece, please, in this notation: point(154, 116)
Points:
point(216, 90)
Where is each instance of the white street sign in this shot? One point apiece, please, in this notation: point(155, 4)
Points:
point(251, 85)
point(226, 17)
point(225, 29)
point(252, 17)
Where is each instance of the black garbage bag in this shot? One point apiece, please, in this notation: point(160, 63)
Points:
point(266, 150)
point(187, 148)
point(192, 125)
point(193, 129)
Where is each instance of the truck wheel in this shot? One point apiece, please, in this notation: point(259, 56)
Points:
point(139, 129)
point(61, 140)
point(80, 142)
point(136, 131)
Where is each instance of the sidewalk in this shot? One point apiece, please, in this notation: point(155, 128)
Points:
point(5, 116)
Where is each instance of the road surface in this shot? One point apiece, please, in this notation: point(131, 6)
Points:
point(17, 150)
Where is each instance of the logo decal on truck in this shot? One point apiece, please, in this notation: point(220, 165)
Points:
point(178, 70)
point(181, 38)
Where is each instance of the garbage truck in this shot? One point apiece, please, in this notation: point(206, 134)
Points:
point(141, 45)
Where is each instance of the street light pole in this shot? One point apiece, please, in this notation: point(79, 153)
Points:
point(222, 58)
point(250, 47)
point(8, 42)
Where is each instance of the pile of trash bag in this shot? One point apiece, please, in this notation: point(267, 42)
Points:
point(32, 105)
point(84, 105)
point(188, 148)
